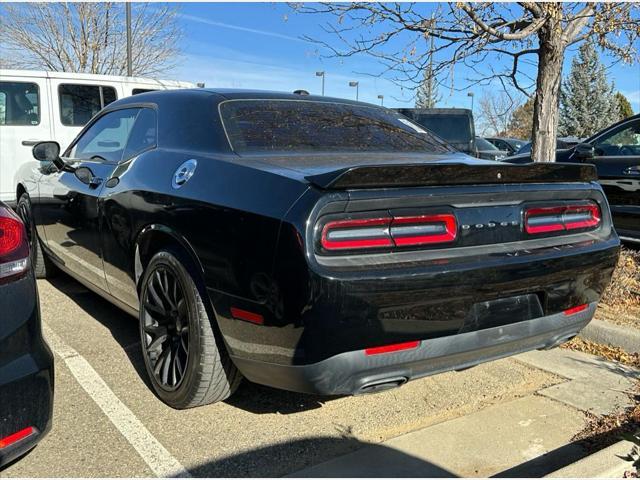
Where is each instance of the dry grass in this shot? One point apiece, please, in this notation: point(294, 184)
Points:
point(615, 354)
point(624, 290)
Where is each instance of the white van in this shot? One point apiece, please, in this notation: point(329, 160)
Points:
point(37, 106)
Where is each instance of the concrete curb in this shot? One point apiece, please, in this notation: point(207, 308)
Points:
point(605, 463)
point(607, 333)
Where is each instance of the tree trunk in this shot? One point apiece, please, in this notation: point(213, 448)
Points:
point(546, 105)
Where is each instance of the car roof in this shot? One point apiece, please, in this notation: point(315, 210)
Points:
point(234, 94)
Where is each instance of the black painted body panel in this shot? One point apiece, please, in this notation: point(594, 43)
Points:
point(249, 225)
point(26, 367)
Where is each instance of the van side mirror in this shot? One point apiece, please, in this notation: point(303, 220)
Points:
point(584, 151)
point(49, 152)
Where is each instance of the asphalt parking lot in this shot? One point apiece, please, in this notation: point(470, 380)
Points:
point(108, 423)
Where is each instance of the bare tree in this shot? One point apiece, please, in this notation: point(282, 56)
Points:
point(496, 111)
point(88, 37)
point(480, 36)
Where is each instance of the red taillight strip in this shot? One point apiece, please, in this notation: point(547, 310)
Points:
point(561, 218)
point(241, 314)
point(392, 348)
point(574, 310)
point(380, 241)
point(11, 235)
point(446, 220)
point(16, 437)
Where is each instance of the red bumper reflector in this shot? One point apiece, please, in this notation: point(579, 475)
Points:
point(392, 348)
point(248, 316)
point(15, 437)
point(574, 310)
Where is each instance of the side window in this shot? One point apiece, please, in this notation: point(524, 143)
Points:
point(107, 137)
point(624, 141)
point(19, 103)
point(79, 103)
point(136, 91)
point(144, 134)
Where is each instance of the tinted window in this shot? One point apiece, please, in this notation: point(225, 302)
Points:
point(136, 91)
point(453, 128)
point(482, 144)
point(19, 103)
point(623, 141)
point(296, 125)
point(107, 137)
point(143, 134)
point(79, 103)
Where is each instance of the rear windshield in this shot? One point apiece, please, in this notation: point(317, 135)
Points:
point(453, 128)
point(303, 125)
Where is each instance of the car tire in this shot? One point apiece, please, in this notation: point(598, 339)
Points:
point(188, 375)
point(42, 266)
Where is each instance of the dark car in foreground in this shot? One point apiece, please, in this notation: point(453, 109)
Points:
point(313, 244)
point(26, 363)
point(615, 151)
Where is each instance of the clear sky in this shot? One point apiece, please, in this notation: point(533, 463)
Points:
point(259, 45)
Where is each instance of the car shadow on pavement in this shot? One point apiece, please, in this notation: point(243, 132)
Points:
point(290, 458)
point(123, 327)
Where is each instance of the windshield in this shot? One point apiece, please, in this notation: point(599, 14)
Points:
point(304, 125)
point(482, 144)
point(454, 128)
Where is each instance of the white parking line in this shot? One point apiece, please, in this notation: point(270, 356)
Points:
point(158, 458)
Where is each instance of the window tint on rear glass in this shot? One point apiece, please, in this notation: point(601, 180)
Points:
point(136, 91)
point(79, 103)
point(143, 135)
point(453, 128)
point(19, 103)
point(298, 125)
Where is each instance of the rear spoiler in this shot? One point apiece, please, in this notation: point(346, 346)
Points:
point(437, 174)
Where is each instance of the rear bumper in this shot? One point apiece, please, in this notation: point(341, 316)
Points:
point(26, 369)
point(354, 372)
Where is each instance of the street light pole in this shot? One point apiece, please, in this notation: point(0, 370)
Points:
point(357, 85)
point(321, 74)
point(128, 20)
point(470, 94)
point(381, 97)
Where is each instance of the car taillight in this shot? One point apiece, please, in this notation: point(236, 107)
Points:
point(14, 248)
point(387, 232)
point(561, 218)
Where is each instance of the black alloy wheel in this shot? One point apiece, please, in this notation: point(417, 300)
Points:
point(166, 327)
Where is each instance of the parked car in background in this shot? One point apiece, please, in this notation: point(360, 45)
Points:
point(26, 363)
point(313, 244)
point(525, 150)
point(615, 151)
point(455, 125)
point(488, 151)
point(511, 145)
point(37, 106)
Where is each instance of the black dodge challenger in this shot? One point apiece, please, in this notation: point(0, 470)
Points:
point(313, 244)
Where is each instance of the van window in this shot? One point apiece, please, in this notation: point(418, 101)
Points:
point(143, 135)
point(136, 91)
point(79, 103)
point(19, 103)
point(106, 139)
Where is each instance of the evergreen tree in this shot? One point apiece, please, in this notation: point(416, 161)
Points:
point(521, 123)
point(587, 101)
point(624, 107)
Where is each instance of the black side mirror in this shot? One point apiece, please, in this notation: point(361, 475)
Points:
point(584, 151)
point(49, 152)
point(46, 151)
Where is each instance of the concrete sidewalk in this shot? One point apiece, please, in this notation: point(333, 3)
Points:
point(529, 436)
